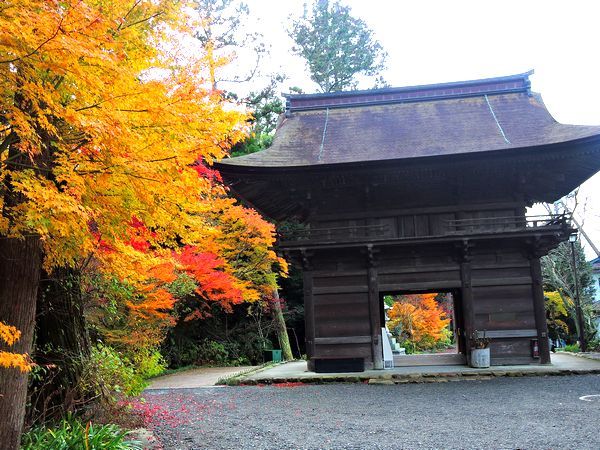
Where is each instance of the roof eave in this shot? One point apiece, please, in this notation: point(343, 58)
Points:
point(231, 167)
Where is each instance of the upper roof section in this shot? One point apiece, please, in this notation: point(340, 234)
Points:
point(411, 122)
point(457, 89)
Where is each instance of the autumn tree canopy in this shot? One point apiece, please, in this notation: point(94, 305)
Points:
point(106, 141)
point(419, 319)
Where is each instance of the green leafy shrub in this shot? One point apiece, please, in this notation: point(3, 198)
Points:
point(572, 348)
point(180, 352)
point(148, 363)
point(70, 434)
point(249, 348)
point(212, 352)
point(409, 346)
point(594, 345)
point(238, 338)
point(188, 352)
point(108, 374)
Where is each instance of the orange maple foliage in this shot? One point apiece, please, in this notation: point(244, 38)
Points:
point(419, 318)
point(9, 335)
point(107, 140)
point(213, 284)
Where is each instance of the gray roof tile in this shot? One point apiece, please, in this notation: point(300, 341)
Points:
point(452, 123)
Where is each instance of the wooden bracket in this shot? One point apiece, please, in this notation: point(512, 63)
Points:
point(536, 248)
point(371, 255)
point(464, 249)
point(306, 255)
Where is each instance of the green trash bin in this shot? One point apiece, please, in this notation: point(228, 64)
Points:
point(272, 355)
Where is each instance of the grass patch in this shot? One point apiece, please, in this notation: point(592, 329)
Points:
point(573, 348)
point(71, 433)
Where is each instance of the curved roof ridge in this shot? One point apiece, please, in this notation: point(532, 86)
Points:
point(440, 91)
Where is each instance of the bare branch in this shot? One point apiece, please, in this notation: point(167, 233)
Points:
point(162, 159)
point(95, 105)
point(27, 166)
point(160, 13)
point(10, 139)
point(133, 175)
point(135, 4)
point(133, 110)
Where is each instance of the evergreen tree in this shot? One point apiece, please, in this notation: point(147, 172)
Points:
point(266, 106)
point(557, 271)
point(337, 46)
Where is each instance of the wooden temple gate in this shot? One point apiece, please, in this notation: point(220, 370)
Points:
point(419, 189)
point(499, 288)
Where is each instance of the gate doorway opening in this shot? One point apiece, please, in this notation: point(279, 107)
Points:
point(424, 327)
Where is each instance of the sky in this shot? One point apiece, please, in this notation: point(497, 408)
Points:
point(440, 41)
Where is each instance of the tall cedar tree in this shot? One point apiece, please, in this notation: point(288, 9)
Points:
point(104, 141)
point(337, 46)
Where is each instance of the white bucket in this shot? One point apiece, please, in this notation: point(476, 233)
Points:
point(480, 357)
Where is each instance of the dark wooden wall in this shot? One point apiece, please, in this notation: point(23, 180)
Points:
point(493, 277)
point(415, 222)
point(337, 300)
point(503, 302)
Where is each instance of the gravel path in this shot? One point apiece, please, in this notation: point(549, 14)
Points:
point(502, 413)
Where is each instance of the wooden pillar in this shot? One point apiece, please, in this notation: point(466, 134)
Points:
point(539, 310)
point(467, 298)
point(309, 316)
point(374, 316)
point(467, 305)
point(374, 309)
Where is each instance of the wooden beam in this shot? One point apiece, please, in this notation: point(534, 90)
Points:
point(511, 360)
point(421, 210)
point(420, 286)
point(506, 281)
point(548, 232)
point(339, 289)
point(343, 340)
point(391, 270)
point(501, 334)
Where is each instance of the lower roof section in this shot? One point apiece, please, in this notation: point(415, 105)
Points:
point(533, 174)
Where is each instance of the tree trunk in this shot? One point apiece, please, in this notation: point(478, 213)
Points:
point(20, 266)
point(281, 329)
point(62, 342)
